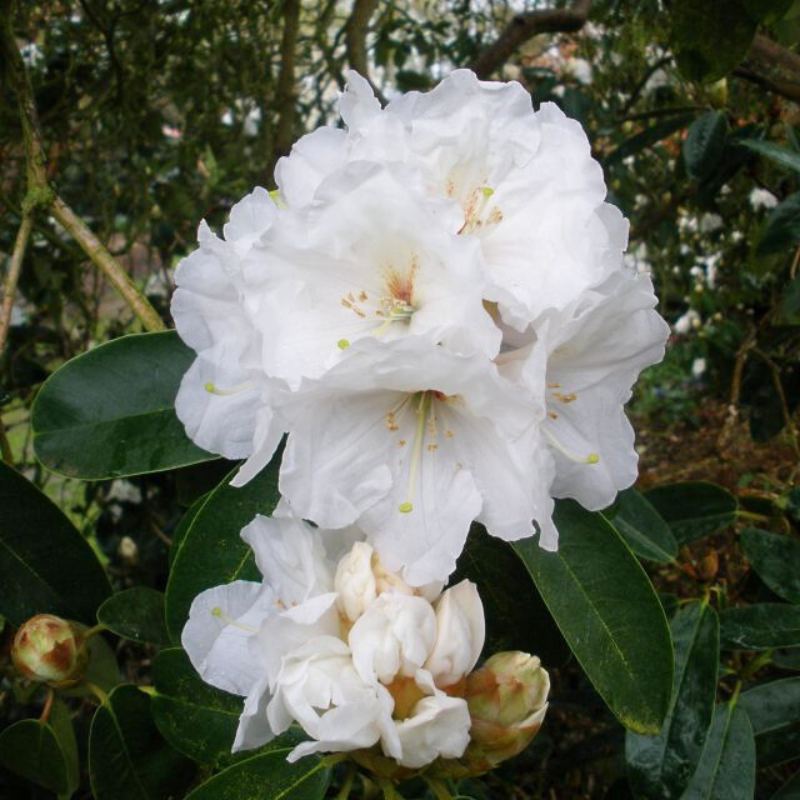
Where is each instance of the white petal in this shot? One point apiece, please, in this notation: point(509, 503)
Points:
point(269, 431)
point(254, 729)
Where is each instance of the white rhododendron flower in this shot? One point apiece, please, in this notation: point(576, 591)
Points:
point(335, 642)
point(437, 312)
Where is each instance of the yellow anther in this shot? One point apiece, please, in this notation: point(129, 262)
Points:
point(593, 458)
point(487, 191)
point(405, 508)
point(343, 344)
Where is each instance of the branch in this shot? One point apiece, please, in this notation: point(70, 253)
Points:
point(285, 89)
point(356, 29)
point(40, 195)
point(773, 67)
point(525, 26)
point(10, 285)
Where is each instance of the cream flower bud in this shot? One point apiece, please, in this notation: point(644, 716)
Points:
point(461, 631)
point(355, 581)
point(438, 726)
point(507, 700)
point(393, 637)
point(50, 650)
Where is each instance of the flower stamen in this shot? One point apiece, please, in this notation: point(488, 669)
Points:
point(419, 435)
point(218, 612)
point(591, 458)
point(212, 388)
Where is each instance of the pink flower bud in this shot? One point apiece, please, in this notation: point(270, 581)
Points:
point(507, 700)
point(51, 650)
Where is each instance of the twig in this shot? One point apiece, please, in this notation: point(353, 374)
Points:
point(772, 66)
point(736, 388)
point(40, 195)
point(787, 414)
point(525, 26)
point(48, 706)
point(356, 29)
point(12, 278)
point(285, 89)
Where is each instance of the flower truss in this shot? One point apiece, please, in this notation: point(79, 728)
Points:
point(435, 309)
point(335, 642)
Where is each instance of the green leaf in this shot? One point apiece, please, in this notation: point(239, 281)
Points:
point(103, 670)
point(46, 566)
point(790, 790)
point(710, 38)
point(760, 627)
point(611, 617)
point(128, 759)
point(727, 769)
point(774, 710)
point(516, 616)
point(111, 412)
point(61, 723)
point(268, 776)
point(30, 748)
point(183, 526)
point(781, 229)
point(661, 766)
point(193, 716)
point(776, 560)
point(693, 510)
point(648, 137)
point(212, 552)
point(703, 147)
point(643, 528)
point(768, 11)
point(774, 152)
point(136, 614)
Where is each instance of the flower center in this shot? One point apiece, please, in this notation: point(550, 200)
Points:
point(479, 211)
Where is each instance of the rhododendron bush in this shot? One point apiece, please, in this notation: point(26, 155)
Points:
point(406, 550)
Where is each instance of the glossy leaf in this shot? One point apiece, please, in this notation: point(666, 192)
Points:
point(30, 748)
point(760, 627)
point(782, 227)
point(212, 552)
point(648, 137)
point(774, 710)
point(774, 152)
point(703, 147)
point(727, 769)
point(46, 566)
point(661, 766)
point(268, 776)
point(136, 614)
point(111, 411)
point(776, 560)
point(61, 723)
point(693, 510)
point(516, 616)
point(643, 528)
point(128, 759)
point(193, 716)
point(608, 612)
point(710, 38)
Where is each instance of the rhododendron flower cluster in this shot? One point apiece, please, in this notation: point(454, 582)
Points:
point(434, 306)
point(334, 641)
point(434, 309)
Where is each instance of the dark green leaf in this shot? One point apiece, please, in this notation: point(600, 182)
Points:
point(768, 11)
point(128, 759)
point(727, 769)
point(46, 566)
point(774, 710)
point(776, 560)
point(782, 227)
point(268, 776)
point(103, 670)
point(29, 748)
point(643, 528)
point(110, 412)
point(136, 614)
point(703, 147)
point(760, 627)
point(212, 552)
point(661, 766)
point(183, 526)
point(648, 137)
point(693, 510)
point(193, 716)
point(774, 152)
point(516, 616)
point(606, 607)
point(60, 722)
point(710, 38)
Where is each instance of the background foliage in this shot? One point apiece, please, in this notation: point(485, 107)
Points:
point(157, 113)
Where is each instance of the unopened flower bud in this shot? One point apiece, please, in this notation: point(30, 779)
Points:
point(507, 700)
point(51, 650)
point(355, 581)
